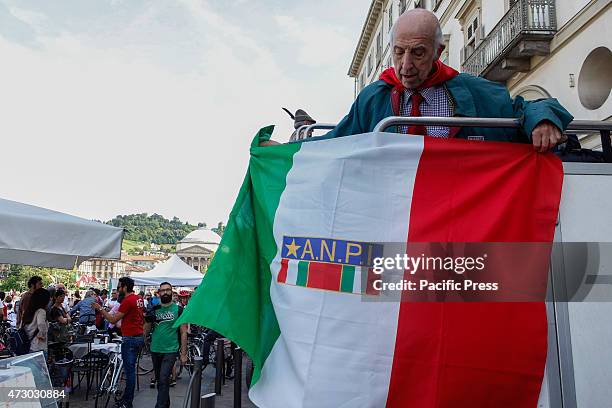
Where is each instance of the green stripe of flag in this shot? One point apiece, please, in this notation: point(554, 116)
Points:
point(302, 276)
point(348, 277)
point(240, 270)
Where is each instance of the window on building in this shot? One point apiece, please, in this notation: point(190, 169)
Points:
point(378, 48)
point(418, 4)
point(369, 64)
point(472, 32)
point(390, 16)
point(437, 4)
point(402, 7)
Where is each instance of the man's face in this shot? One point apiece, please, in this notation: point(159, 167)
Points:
point(114, 295)
point(165, 294)
point(413, 56)
point(122, 290)
point(38, 285)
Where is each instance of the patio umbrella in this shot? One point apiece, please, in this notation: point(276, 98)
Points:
point(37, 236)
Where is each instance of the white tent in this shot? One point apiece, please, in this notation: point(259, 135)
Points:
point(173, 271)
point(36, 236)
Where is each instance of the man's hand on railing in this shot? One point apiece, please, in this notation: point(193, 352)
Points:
point(545, 136)
point(268, 143)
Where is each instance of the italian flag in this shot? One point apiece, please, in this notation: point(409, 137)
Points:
point(303, 316)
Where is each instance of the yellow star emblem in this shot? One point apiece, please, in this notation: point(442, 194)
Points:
point(292, 248)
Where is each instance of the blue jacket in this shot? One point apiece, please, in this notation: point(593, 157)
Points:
point(472, 96)
point(87, 313)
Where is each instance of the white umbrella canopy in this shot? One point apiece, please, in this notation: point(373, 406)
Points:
point(173, 270)
point(37, 236)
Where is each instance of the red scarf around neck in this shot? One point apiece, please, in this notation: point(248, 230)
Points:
point(442, 73)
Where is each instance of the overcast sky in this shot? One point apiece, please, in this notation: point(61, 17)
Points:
point(121, 106)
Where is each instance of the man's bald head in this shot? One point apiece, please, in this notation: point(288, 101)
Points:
point(416, 39)
point(419, 20)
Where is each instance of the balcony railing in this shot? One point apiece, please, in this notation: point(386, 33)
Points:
point(526, 19)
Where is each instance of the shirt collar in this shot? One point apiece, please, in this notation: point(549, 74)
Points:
point(428, 94)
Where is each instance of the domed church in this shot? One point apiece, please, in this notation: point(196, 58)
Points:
point(198, 248)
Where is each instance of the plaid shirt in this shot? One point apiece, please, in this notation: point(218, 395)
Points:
point(437, 102)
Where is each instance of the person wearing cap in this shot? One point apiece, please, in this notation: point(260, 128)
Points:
point(183, 297)
point(419, 84)
point(300, 118)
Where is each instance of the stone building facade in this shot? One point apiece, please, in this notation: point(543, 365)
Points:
point(198, 248)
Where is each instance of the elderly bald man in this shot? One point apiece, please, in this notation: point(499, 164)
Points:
point(419, 84)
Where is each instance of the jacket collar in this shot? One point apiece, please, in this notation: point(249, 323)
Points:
point(464, 101)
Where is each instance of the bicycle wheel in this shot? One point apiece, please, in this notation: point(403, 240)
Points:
point(103, 392)
point(119, 387)
point(145, 363)
point(193, 350)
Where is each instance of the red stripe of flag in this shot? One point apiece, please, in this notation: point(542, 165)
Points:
point(324, 276)
point(282, 274)
point(370, 279)
point(476, 354)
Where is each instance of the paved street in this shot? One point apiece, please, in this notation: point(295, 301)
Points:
point(146, 397)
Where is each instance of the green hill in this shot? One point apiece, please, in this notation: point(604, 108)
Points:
point(144, 228)
point(137, 247)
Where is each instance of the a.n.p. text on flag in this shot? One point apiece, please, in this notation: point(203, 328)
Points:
point(285, 281)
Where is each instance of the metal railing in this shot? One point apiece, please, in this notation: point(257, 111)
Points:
point(604, 128)
point(193, 397)
point(524, 17)
point(305, 131)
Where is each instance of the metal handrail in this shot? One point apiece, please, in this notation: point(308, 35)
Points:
point(604, 128)
point(299, 132)
point(192, 397)
point(576, 125)
point(302, 132)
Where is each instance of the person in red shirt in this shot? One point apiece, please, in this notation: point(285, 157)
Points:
point(131, 314)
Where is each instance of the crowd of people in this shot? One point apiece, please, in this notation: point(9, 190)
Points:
point(46, 314)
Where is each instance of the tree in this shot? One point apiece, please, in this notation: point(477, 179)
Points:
point(19, 275)
point(219, 229)
point(153, 228)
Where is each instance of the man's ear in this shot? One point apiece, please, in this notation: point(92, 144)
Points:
point(440, 49)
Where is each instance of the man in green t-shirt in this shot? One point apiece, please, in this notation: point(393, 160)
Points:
point(166, 342)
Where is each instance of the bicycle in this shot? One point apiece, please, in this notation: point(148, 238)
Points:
point(228, 356)
point(144, 365)
point(194, 349)
point(112, 383)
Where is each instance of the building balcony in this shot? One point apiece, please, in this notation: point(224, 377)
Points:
point(525, 30)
